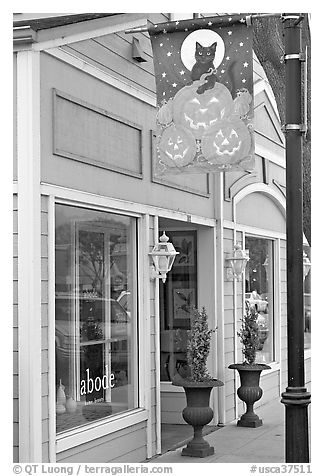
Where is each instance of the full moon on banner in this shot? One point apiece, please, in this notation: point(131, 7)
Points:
point(204, 80)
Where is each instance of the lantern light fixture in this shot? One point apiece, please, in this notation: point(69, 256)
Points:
point(306, 265)
point(238, 261)
point(163, 256)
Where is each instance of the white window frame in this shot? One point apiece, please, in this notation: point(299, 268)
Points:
point(275, 362)
point(101, 428)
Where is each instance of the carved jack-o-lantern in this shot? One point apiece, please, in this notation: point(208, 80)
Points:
point(177, 146)
point(200, 112)
point(228, 143)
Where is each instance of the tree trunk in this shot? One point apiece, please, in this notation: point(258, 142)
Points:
point(269, 48)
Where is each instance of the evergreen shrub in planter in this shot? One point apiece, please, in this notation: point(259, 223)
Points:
point(249, 371)
point(197, 384)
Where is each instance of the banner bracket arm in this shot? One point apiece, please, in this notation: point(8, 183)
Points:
point(248, 21)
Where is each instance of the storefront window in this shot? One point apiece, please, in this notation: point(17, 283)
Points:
point(177, 296)
point(95, 315)
point(259, 284)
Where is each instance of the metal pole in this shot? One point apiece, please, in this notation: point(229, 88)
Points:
point(295, 398)
point(248, 20)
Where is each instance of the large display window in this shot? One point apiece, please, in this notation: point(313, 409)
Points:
point(95, 315)
point(259, 292)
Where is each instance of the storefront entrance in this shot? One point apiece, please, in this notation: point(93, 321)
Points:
point(184, 289)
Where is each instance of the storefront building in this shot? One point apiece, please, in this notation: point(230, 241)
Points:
point(96, 337)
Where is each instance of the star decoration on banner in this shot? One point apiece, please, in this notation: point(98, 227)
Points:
point(175, 74)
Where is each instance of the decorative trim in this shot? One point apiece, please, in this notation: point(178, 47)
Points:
point(146, 332)
point(278, 300)
point(219, 292)
point(78, 197)
point(165, 182)
point(76, 62)
point(265, 170)
point(83, 434)
point(29, 257)
point(51, 331)
point(279, 142)
point(23, 35)
point(229, 192)
point(157, 348)
point(263, 85)
point(262, 188)
point(281, 187)
point(102, 112)
point(254, 231)
point(271, 155)
point(91, 33)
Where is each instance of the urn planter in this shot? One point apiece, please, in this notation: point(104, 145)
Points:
point(249, 391)
point(197, 413)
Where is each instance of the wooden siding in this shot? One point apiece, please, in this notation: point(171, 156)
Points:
point(153, 330)
point(15, 335)
point(103, 176)
point(283, 313)
point(14, 114)
point(44, 330)
point(229, 333)
point(113, 53)
point(84, 132)
point(120, 446)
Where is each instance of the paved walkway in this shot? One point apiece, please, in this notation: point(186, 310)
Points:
point(234, 444)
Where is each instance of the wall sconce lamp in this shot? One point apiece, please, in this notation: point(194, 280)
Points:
point(237, 262)
point(306, 265)
point(163, 256)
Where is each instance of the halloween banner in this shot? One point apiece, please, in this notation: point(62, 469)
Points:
point(204, 87)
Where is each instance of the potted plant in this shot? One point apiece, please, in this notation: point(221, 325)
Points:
point(249, 371)
point(197, 383)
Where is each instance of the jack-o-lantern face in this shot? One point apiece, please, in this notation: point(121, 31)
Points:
point(200, 112)
point(177, 147)
point(228, 143)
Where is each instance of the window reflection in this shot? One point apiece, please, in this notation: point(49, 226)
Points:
point(177, 296)
point(259, 292)
point(95, 332)
point(307, 304)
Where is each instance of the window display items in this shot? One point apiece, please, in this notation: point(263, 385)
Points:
point(95, 337)
point(60, 399)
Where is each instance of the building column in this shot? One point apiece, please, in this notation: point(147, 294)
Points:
point(29, 256)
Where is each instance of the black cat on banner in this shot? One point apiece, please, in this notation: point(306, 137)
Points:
point(204, 81)
point(204, 56)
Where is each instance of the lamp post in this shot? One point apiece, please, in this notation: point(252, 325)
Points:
point(296, 398)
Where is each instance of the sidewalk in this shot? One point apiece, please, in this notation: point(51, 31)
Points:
point(234, 444)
